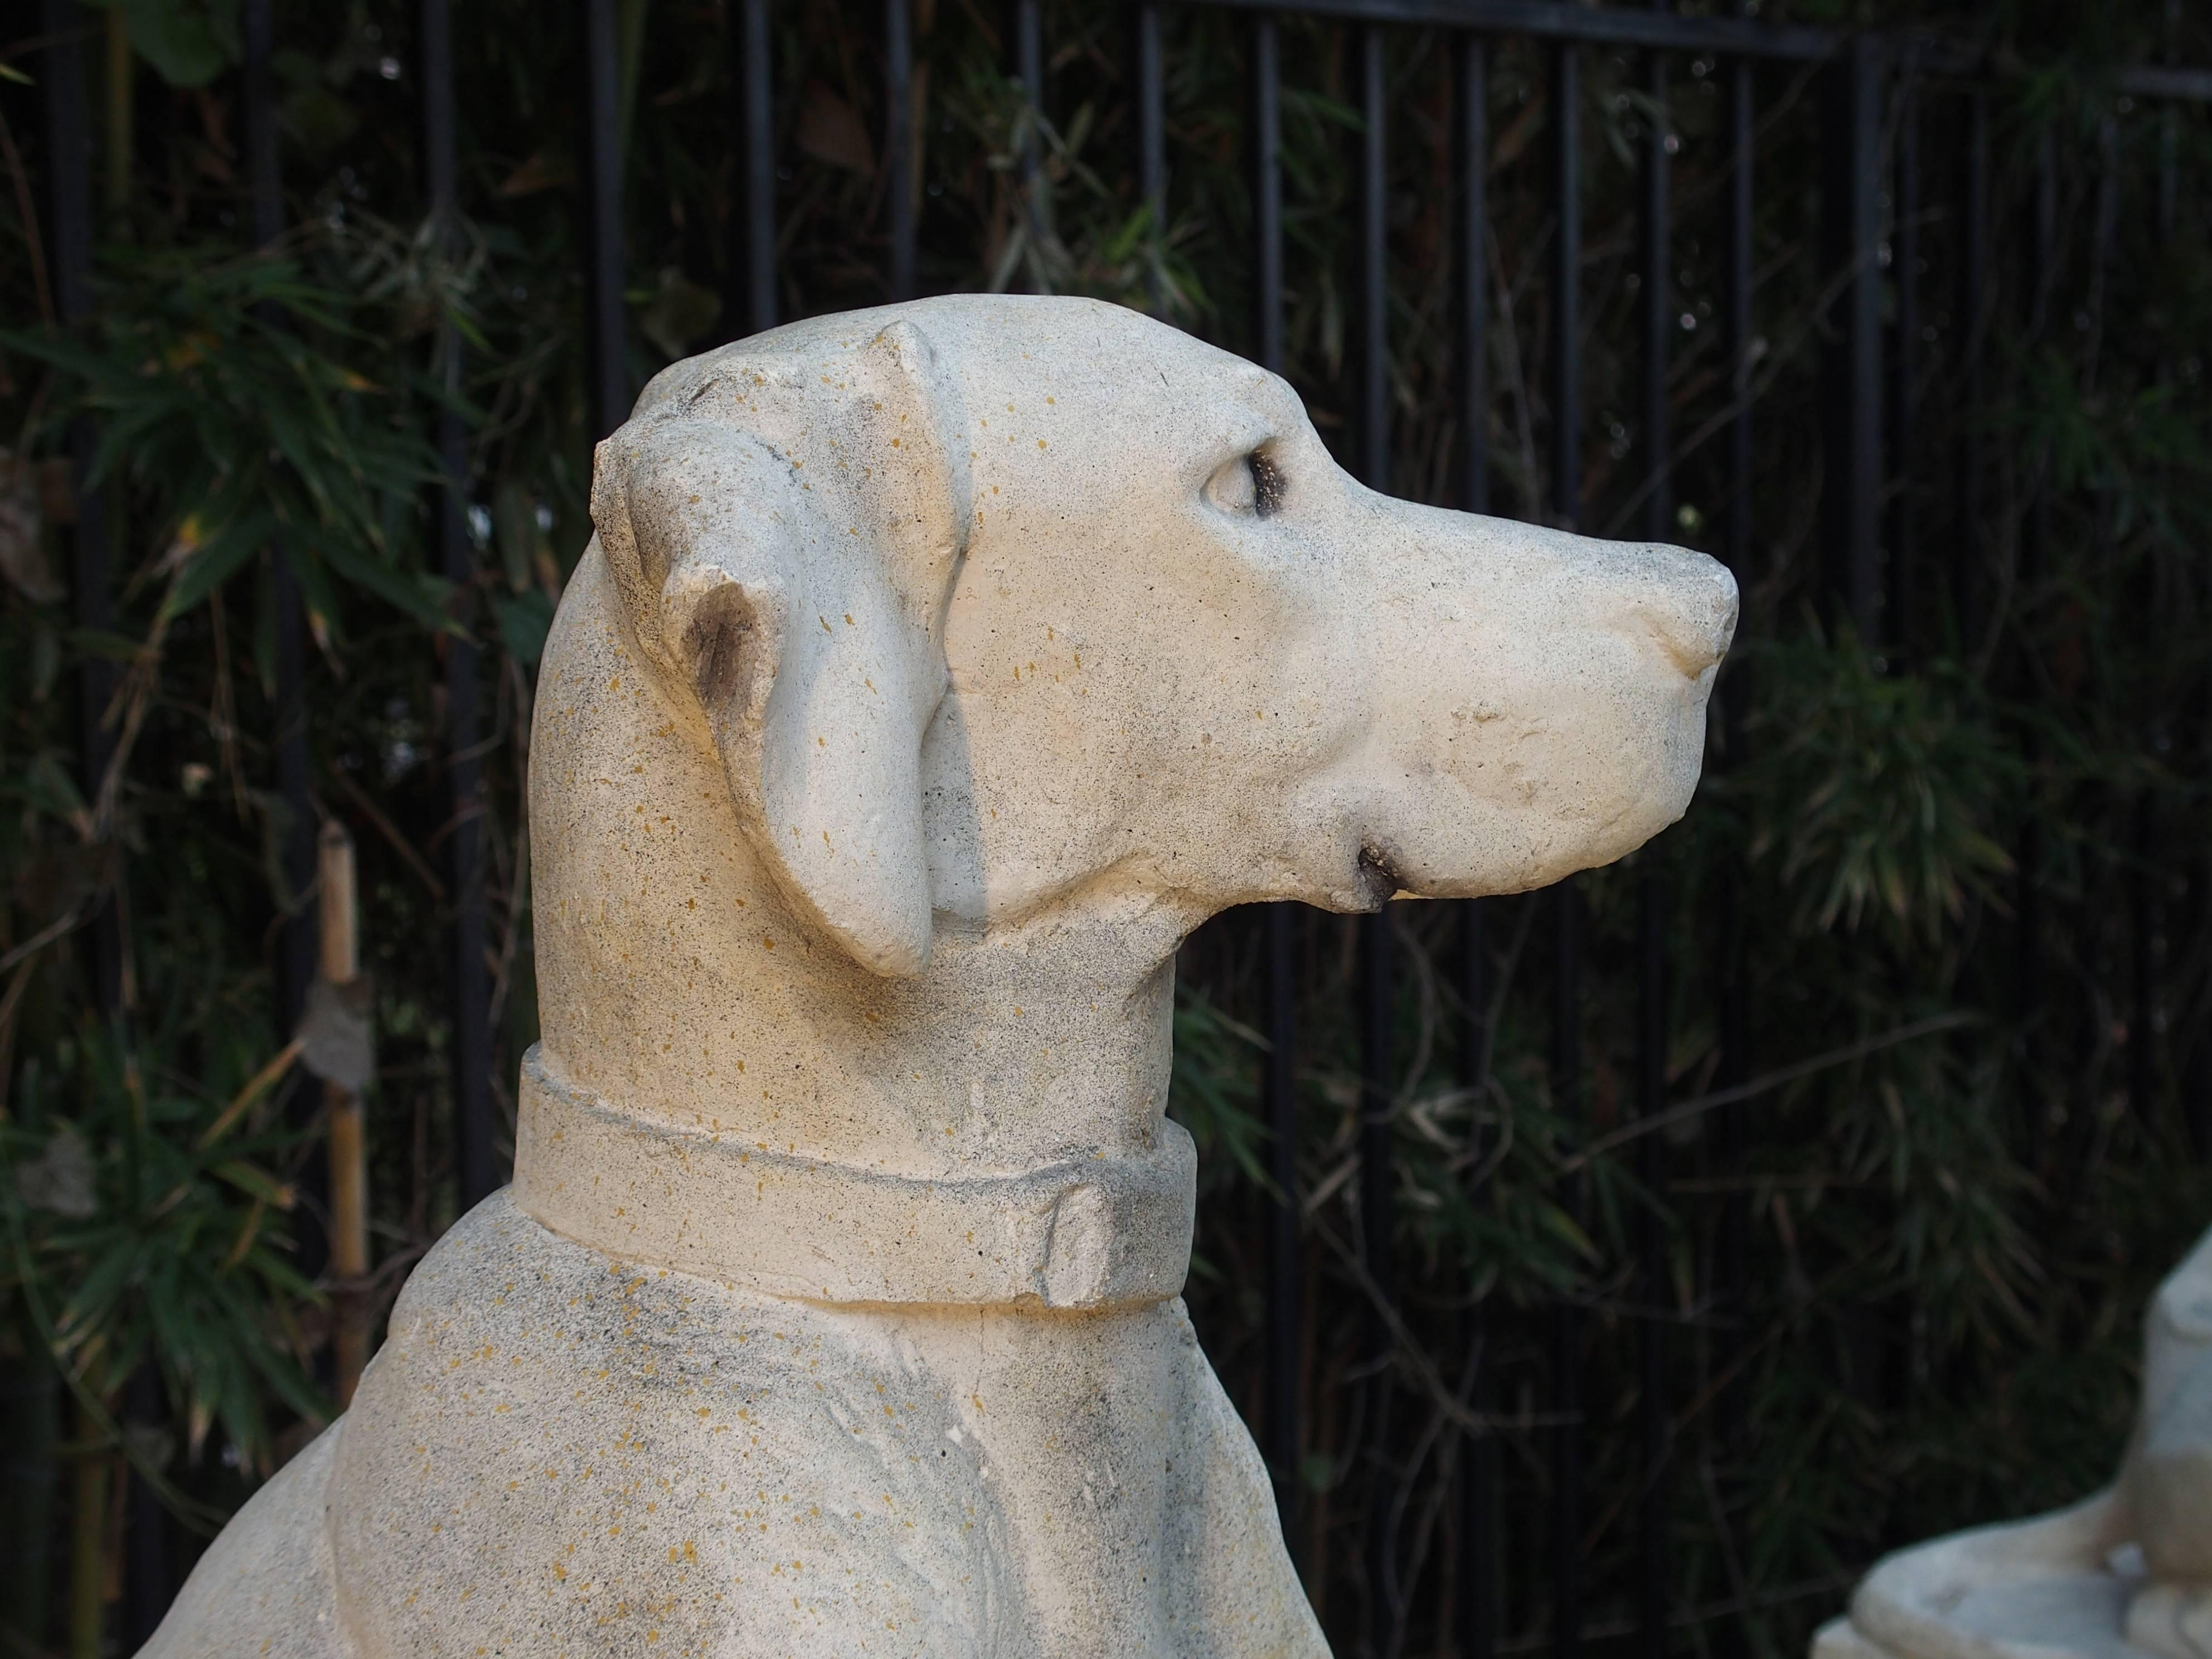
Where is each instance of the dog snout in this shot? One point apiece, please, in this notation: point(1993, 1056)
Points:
point(1686, 605)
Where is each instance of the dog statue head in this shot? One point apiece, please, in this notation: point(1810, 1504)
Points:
point(936, 669)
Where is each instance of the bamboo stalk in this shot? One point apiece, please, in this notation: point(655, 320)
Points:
point(348, 1164)
point(95, 1474)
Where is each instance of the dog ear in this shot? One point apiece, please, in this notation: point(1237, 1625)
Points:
point(785, 534)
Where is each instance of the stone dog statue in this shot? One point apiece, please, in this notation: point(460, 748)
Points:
point(2126, 1574)
point(934, 672)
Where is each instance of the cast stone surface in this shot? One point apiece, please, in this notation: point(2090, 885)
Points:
point(2126, 1574)
point(934, 672)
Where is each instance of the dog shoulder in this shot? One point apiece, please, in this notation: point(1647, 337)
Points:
point(264, 1586)
point(569, 1454)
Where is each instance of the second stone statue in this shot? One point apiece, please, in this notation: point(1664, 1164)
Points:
point(933, 672)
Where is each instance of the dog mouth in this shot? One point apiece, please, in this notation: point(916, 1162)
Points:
point(1378, 879)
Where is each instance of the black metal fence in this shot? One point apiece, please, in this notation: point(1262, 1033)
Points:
point(1879, 97)
point(1875, 198)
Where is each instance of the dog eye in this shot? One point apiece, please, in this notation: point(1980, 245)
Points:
point(1251, 484)
point(1268, 483)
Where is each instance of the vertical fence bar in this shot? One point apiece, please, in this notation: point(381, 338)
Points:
point(1378, 1183)
point(296, 946)
point(264, 201)
point(2142, 884)
point(1653, 1425)
point(1566, 1319)
point(1657, 230)
point(148, 1583)
point(2194, 1061)
point(609, 330)
point(478, 1158)
point(753, 46)
point(1377, 1204)
point(296, 939)
point(1566, 1021)
point(70, 213)
point(1478, 1612)
point(1268, 188)
point(2169, 172)
point(1904, 628)
point(1742, 138)
point(899, 148)
point(1029, 74)
point(1566, 287)
point(1851, 382)
point(1477, 1586)
point(266, 216)
point(1286, 1302)
point(2046, 226)
point(1474, 171)
point(68, 172)
point(1973, 318)
point(1152, 148)
point(1373, 261)
point(1732, 1224)
point(2035, 541)
point(1658, 234)
point(2142, 880)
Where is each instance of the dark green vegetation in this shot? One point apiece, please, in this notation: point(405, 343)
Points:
point(1970, 864)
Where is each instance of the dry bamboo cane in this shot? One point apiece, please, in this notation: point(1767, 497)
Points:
point(348, 1164)
point(89, 1553)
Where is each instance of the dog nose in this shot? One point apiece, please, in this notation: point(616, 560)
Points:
point(1689, 610)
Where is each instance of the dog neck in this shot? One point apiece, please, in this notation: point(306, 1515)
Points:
point(685, 1005)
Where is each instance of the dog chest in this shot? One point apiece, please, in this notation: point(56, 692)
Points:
point(602, 1458)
